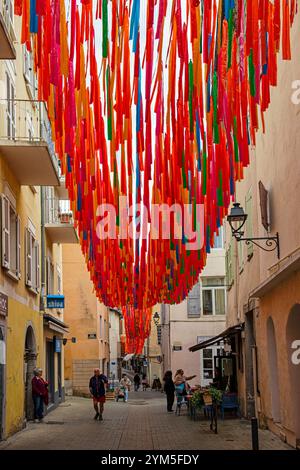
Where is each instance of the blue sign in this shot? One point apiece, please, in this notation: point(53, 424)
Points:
point(57, 345)
point(55, 301)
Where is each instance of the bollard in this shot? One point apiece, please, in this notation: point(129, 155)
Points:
point(254, 429)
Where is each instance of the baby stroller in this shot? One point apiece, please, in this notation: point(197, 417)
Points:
point(120, 393)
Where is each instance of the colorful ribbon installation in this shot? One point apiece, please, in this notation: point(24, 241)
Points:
point(124, 127)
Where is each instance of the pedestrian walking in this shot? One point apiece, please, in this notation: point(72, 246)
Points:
point(145, 382)
point(169, 389)
point(137, 381)
point(39, 394)
point(126, 384)
point(97, 386)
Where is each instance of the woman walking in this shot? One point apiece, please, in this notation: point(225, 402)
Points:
point(169, 388)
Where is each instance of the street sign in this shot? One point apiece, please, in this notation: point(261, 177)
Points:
point(92, 336)
point(55, 301)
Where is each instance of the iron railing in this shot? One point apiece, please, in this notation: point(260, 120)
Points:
point(27, 120)
point(58, 212)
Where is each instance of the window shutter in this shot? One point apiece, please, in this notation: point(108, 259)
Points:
point(264, 201)
point(37, 266)
point(193, 302)
point(5, 232)
point(28, 241)
point(249, 223)
point(18, 247)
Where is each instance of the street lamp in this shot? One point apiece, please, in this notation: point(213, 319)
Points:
point(156, 318)
point(237, 219)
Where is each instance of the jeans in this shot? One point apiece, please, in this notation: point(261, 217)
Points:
point(38, 406)
point(126, 394)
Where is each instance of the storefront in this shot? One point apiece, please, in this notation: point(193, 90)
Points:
point(3, 315)
point(221, 359)
point(54, 331)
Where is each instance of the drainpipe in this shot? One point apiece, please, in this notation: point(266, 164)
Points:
point(43, 251)
point(236, 280)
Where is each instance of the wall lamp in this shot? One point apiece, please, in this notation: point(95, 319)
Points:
point(237, 219)
point(156, 318)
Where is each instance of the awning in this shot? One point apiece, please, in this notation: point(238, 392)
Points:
point(232, 330)
point(128, 357)
point(55, 324)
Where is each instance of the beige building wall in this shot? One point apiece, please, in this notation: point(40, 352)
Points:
point(88, 322)
point(179, 332)
point(265, 290)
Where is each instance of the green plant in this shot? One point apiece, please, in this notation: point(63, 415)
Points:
point(197, 399)
point(216, 394)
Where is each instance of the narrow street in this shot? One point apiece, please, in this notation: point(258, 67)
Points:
point(140, 424)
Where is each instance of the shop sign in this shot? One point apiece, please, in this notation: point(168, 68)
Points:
point(55, 301)
point(3, 304)
point(57, 345)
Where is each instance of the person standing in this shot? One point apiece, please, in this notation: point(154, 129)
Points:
point(137, 381)
point(144, 382)
point(39, 394)
point(169, 388)
point(97, 386)
point(125, 383)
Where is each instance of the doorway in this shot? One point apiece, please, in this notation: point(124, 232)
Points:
point(29, 366)
point(273, 371)
point(293, 347)
point(50, 369)
point(2, 379)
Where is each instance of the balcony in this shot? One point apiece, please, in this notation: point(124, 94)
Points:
point(59, 222)
point(61, 190)
point(26, 142)
point(7, 35)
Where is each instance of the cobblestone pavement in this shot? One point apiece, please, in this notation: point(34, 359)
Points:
point(142, 423)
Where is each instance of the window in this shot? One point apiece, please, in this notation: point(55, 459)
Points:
point(193, 302)
point(219, 239)
point(50, 277)
point(32, 261)
point(29, 72)
point(213, 296)
point(11, 114)
point(11, 240)
point(207, 361)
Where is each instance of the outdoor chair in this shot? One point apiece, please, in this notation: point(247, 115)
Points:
point(229, 402)
point(180, 398)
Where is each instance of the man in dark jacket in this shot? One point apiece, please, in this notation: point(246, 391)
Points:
point(39, 394)
point(97, 386)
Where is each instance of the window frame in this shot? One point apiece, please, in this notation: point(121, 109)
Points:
point(32, 261)
point(213, 289)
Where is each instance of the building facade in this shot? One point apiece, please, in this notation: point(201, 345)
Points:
point(198, 318)
point(88, 324)
point(31, 331)
point(264, 287)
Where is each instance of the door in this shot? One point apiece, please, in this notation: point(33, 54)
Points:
point(226, 366)
point(208, 365)
point(50, 369)
point(2, 379)
point(59, 375)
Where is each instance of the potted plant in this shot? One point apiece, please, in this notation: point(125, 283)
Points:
point(197, 399)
